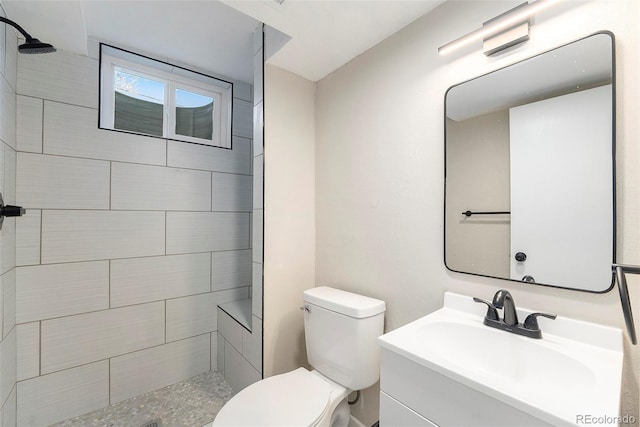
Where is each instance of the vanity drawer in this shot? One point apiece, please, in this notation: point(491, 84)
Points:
point(442, 400)
point(395, 414)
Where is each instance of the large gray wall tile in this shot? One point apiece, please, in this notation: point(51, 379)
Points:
point(230, 329)
point(139, 280)
point(63, 77)
point(9, 410)
point(220, 343)
point(252, 344)
point(3, 278)
point(142, 187)
point(11, 56)
point(194, 156)
point(242, 118)
point(214, 350)
point(242, 91)
point(73, 131)
point(7, 365)
point(28, 350)
point(8, 159)
point(55, 182)
point(237, 370)
point(196, 315)
point(257, 39)
point(8, 282)
point(147, 370)
point(28, 238)
point(8, 245)
point(8, 116)
point(94, 235)
point(84, 338)
point(29, 124)
point(48, 291)
point(189, 232)
point(230, 269)
point(231, 192)
point(3, 36)
point(56, 397)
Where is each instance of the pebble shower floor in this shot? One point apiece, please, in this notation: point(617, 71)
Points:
point(191, 403)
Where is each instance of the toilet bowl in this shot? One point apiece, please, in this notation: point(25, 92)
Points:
point(341, 331)
point(299, 398)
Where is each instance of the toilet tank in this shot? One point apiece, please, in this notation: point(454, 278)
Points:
point(341, 331)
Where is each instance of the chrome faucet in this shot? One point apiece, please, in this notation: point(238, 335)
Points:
point(503, 300)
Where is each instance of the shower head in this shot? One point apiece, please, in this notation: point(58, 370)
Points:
point(35, 46)
point(32, 45)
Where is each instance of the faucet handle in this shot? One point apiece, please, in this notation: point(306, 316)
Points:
point(531, 322)
point(492, 312)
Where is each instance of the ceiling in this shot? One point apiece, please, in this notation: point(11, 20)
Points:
point(326, 34)
point(217, 35)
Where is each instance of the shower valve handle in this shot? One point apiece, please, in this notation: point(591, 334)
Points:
point(9, 210)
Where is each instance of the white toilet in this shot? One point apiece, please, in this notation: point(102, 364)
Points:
point(341, 330)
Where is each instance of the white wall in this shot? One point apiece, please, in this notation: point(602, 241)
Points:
point(379, 166)
point(8, 64)
point(128, 245)
point(289, 254)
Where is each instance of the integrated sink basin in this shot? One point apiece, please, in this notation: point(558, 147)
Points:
point(450, 359)
point(495, 355)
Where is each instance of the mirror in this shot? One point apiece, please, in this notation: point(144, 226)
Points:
point(529, 169)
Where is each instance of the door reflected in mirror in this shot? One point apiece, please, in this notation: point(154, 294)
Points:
point(529, 161)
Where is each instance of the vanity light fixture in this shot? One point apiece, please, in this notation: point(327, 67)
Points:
point(503, 31)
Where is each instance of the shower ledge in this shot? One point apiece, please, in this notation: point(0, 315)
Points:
point(240, 311)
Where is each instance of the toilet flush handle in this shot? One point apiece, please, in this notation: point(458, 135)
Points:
point(306, 308)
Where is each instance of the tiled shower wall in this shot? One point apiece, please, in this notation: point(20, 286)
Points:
point(240, 350)
point(8, 58)
point(128, 245)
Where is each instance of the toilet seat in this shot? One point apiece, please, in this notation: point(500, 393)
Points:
point(297, 398)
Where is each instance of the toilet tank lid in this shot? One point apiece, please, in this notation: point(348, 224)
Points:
point(343, 302)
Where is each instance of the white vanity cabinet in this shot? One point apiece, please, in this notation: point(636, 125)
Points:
point(414, 396)
point(449, 369)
